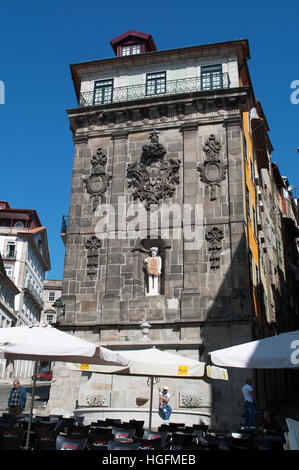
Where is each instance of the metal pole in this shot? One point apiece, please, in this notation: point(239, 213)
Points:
point(32, 402)
point(151, 403)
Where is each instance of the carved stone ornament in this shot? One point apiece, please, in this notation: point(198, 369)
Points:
point(98, 181)
point(191, 400)
point(212, 171)
point(214, 238)
point(92, 245)
point(96, 399)
point(154, 178)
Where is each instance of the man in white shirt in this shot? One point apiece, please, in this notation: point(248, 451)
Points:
point(164, 406)
point(250, 403)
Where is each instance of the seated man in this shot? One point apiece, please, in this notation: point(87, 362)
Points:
point(164, 406)
point(270, 425)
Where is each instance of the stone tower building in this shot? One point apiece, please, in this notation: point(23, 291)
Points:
point(158, 163)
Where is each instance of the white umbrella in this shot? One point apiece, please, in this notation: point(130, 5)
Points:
point(275, 352)
point(43, 342)
point(152, 363)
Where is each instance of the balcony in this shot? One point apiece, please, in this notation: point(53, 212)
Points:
point(64, 225)
point(34, 295)
point(138, 92)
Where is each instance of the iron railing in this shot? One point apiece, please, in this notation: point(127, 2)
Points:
point(137, 92)
point(29, 289)
point(64, 224)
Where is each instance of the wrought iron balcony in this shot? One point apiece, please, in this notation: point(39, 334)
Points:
point(34, 295)
point(64, 224)
point(138, 92)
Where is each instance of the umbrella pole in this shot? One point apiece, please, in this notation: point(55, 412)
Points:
point(151, 404)
point(32, 402)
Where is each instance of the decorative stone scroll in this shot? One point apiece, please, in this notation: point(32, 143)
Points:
point(212, 170)
point(98, 181)
point(154, 178)
point(92, 245)
point(96, 399)
point(214, 238)
point(190, 400)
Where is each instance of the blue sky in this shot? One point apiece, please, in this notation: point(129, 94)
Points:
point(39, 40)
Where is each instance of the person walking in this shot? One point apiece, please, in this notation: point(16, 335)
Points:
point(164, 406)
point(250, 404)
point(17, 399)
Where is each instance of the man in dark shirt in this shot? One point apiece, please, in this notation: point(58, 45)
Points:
point(17, 399)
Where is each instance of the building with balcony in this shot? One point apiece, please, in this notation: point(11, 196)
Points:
point(8, 317)
point(165, 159)
point(25, 253)
point(51, 293)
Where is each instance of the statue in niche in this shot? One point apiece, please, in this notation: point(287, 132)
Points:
point(153, 268)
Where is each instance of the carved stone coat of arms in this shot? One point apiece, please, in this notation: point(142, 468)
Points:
point(154, 178)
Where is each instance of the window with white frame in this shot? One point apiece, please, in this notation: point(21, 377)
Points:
point(103, 91)
point(51, 296)
point(133, 49)
point(156, 83)
point(211, 77)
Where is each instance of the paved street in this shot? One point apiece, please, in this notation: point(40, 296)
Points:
point(41, 394)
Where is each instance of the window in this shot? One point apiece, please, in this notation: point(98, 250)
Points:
point(256, 274)
point(250, 265)
point(155, 83)
point(245, 147)
point(254, 221)
point(103, 91)
point(8, 270)
point(211, 77)
point(10, 250)
point(50, 319)
point(51, 296)
point(247, 203)
point(131, 50)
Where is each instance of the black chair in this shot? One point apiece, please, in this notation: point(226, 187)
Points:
point(181, 441)
point(114, 445)
point(100, 424)
point(112, 421)
point(43, 426)
point(125, 435)
point(99, 441)
point(138, 425)
point(163, 435)
point(241, 443)
point(63, 425)
point(12, 438)
point(150, 444)
point(70, 443)
point(45, 440)
point(78, 431)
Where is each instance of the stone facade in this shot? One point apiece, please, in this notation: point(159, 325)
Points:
point(161, 171)
point(204, 256)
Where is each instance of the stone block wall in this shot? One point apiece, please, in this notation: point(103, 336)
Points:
point(204, 303)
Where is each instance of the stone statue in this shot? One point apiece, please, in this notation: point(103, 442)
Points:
point(153, 268)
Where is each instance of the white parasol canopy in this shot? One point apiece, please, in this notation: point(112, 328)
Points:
point(152, 363)
point(275, 352)
point(46, 343)
point(157, 363)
